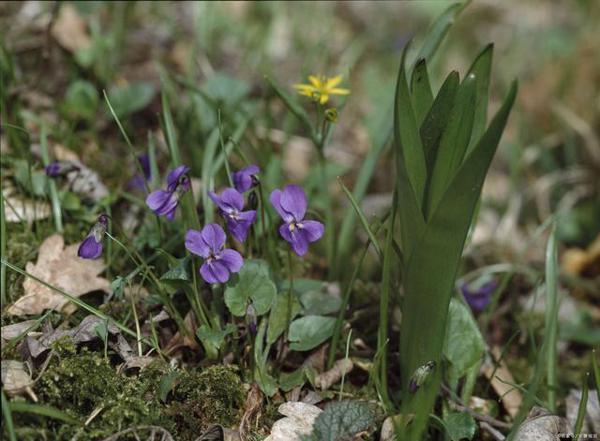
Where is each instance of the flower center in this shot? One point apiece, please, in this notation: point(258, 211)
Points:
point(294, 226)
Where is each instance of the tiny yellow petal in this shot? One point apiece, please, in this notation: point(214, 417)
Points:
point(324, 98)
point(332, 82)
point(315, 81)
point(338, 91)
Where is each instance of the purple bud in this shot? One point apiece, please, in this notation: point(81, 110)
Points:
point(479, 297)
point(60, 168)
point(91, 247)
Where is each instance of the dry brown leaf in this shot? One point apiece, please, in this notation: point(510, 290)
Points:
point(501, 379)
point(20, 209)
point(15, 379)
point(583, 262)
point(252, 410)
point(298, 421)
point(541, 425)
point(70, 29)
point(9, 332)
point(58, 266)
point(329, 378)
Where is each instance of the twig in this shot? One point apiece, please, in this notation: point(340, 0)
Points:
point(495, 433)
point(460, 405)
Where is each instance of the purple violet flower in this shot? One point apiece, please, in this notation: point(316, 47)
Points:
point(138, 182)
point(60, 168)
point(231, 204)
point(246, 178)
point(479, 297)
point(91, 247)
point(164, 202)
point(219, 262)
point(291, 205)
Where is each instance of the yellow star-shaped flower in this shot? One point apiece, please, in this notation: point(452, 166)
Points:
point(321, 87)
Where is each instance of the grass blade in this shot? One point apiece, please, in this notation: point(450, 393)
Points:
point(3, 244)
point(550, 334)
point(46, 411)
point(56, 212)
point(361, 216)
point(582, 409)
point(7, 414)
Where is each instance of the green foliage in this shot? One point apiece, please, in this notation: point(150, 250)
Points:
point(439, 183)
point(464, 345)
point(460, 426)
point(341, 420)
point(253, 284)
point(130, 98)
point(310, 331)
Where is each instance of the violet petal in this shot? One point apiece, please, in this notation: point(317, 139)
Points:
point(89, 248)
point(293, 200)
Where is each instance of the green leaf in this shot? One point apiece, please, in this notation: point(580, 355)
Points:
point(215, 337)
point(252, 283)
point(290, 380)
point(101, 330)
point(481, 68)
point(130, 98)
point(436, 120)
point(422, 97)
point(453, 144)
point(410, 166)
point(278, 315)
point(309, 332)
point(81, 100)
point(464, 344)
point(342, 420)
point(431, 269)
point(438, 30)
point(319, 302)
point(166, 385)
point(180, 272)
point(460, 425)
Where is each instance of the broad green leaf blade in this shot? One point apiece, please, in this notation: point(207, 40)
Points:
point(431, 270)
point(437, 119)
point(342, 420)
point(421, 94)
point(279, 313)
point(253, 283)
point(481, 68)
point(407, 135)
point(453, 144)
point(464, 345)
point(410, 166)
point(309, 332)
point(438, 30)
point(460, 426)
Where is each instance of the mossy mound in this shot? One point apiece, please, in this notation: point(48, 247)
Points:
point(212, 395)
point(86, 386)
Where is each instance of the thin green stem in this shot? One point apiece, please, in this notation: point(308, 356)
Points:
point(55, 200)
point(10, 428)
point(2, 248)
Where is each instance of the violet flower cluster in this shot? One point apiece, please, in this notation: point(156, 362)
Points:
point(209, 243)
